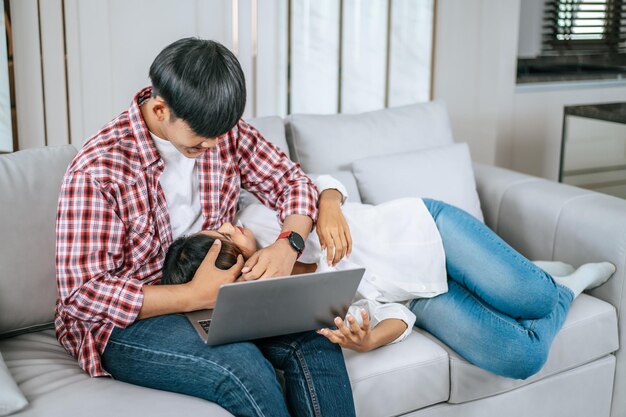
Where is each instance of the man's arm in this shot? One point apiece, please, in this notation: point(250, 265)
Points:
point(281, 185)
point(197, 294)
point(279, 258)
point(270, 175)
point(90, 244)
point(90, 241)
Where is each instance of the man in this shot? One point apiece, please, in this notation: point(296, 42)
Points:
point(173, 164)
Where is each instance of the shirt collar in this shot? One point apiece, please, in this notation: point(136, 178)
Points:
point(147, 150)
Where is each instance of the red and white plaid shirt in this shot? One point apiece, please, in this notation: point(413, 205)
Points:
point(113, 227)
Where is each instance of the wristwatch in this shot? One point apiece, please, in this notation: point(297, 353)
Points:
point(294, 239)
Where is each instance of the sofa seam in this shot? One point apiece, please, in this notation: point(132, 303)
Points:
point(503, 194)
point(293, 139)
point(558, 219)
point(622, 284)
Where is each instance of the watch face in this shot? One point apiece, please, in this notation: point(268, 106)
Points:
point(296, 241)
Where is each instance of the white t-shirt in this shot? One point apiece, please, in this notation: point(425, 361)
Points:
point(397, 242)
point(181, 187)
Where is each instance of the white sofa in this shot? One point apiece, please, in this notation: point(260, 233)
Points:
point(584, 376)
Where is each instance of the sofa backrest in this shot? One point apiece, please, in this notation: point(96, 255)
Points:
point(328, 143)
point(30, 182)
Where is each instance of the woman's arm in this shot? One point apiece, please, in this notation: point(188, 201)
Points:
point(380, 324)
point(362, 338)
point(332, 228)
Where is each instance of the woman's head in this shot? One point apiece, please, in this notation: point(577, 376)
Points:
point(186, 253)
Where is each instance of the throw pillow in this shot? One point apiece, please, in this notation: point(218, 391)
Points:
point(11, 398)
point(443, 173)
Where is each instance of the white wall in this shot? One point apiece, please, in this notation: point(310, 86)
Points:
point(475, 64)
point(518, 127)
point(538, 121)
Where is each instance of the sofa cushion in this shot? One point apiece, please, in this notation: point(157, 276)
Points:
point(589, 333)
point(328, 143)
point(443, 173)
point(398, 378)
point(11, 398)
point(273, 129)
point(30, 181)
point(55, 386)
point(348, 180)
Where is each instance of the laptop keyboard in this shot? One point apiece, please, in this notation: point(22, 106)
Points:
point(205, 324)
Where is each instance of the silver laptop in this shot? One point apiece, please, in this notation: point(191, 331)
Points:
point(276, 306)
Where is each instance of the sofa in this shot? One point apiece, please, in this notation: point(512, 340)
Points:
point(585, 374)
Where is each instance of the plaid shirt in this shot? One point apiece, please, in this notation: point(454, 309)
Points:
point(113, 227)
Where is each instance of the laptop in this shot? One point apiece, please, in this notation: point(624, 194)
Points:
point(275, 306)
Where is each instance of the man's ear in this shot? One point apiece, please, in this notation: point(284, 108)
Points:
point(160, 109)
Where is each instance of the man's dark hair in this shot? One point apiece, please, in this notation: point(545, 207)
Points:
point(186, 253)
point(202, 83)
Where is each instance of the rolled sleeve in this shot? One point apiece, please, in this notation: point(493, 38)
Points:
point(272, 177)
point(383, 311)
point(328, 182)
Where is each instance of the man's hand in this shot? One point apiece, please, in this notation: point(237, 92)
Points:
point(205, 284)
point(350, 335)
point(332, 228)
point(275, 260)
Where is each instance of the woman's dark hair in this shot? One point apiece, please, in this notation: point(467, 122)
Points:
point(186, 253)
point(202, 83)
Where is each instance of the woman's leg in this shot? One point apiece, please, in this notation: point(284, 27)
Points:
point(316, 379)
point(488, 338)
point(489, 268)
point(166, 353)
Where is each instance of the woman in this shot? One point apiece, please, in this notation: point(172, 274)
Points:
point(429, 264)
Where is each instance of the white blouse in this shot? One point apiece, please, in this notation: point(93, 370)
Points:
point(397, 242)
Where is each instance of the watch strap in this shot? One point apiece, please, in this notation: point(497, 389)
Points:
point(286, 235)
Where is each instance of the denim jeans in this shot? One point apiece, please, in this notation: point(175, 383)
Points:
point(166, 353)
point(501, 311)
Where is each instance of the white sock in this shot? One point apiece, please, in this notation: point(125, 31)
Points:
point(586, 277)
point(555, 268)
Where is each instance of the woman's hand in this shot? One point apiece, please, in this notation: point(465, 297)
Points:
point(350, 335)
point(206, 282)
point(332, 229)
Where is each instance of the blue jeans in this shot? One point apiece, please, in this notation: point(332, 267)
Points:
point(501, 311)
point(166, 353)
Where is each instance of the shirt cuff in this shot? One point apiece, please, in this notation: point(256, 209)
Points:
point(327, 182)
point(396, 311)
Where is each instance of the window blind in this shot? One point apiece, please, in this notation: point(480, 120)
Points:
point(584, 26)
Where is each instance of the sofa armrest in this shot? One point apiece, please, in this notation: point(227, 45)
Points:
point(552, 221)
